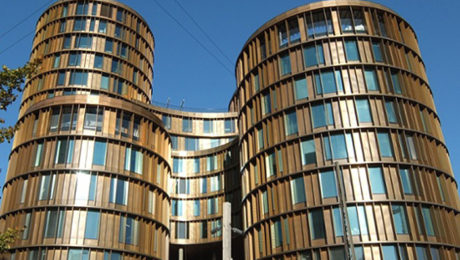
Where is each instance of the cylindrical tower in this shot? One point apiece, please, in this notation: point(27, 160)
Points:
point(341, 82)
point(89, 167)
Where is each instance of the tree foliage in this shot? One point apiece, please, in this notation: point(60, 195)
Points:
point(7, 238)
point(10, 86)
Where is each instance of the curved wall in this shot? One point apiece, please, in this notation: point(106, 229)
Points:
point(341, 82)
point(89, 169)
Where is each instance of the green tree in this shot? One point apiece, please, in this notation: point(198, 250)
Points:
point(7, 238)
point(10, 86)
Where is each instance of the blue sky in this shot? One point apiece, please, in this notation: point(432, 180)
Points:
point(184, 69)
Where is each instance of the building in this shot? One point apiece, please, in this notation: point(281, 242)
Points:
point(331, 146)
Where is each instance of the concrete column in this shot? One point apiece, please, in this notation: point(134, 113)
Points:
point(227, 231)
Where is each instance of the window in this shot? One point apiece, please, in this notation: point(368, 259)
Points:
point(360, 23)
point(77, 254)
point(83, 41)
point(260, 138)
point(100, 148)
point(328, 184)
point(357, 218)
point(62, 27)
point(213, 206)
point(92, 225)
point(215, 183)
point(208, 126)
point(177, 208)
point(25, 232)
point(94, 117)
point(364, 111)
point(294, 34)
point(211, 163)
point(335, 147)
point(98, 61)
point(61, 79)
point(177, 165)
point(313, 55)
point(54, 120)
point(395, 81)
point(181, 230)
point(24, 191)
point(411, 147)
point(322, 115)
point(119, 191)
point(377, 52)
point(427, 221)
point(82, 8)
point(338, 222)
point(120, 15)
point(78, 78)
point(406, 181)
point(316, 224)
point(118, 31)
point(54, 223)
point(103, 27)
point(133, 160)
point(276, 234)
point(377, 181)
point(57, 61)
point(389, 252)
point(116, 66)
point(346, 21)
point(391, 114)
point(386, 149)
point(114, 255)
point(64, 151)
point(328, 82)
point(337, 253)
point(290, 123)
point(186, 125)
point(79, 24)
point(191, 144)
point(196, 165)
point(203, 185)
point(308, 151)
point(351, 49)
point(108, 46)
point(166, 121)
point(297, 190)
point(216, 224)
point(422, 254)
point(106, 10)
point(266, 104)
point(67, 42)
point(319, 26)
point(46, 190)
point(301, 89)
point(270, 165)
point(86, 187)
point(92, 24)
point(38, 155)
point(105, 82)
point(400, 219)
point(74, 59)
point(203, 229)
point(371, 80)
point(264, 202)
point(229, 126)
point(283, 37)
point(129, 230)
point(285, 64)
point(256, 82)
point(94, 10)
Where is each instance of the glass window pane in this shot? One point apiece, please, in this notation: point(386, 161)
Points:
point(351, 49)
point(92, 225)
point(364, 111)
point(285, 64)
point(339, 147)
point(298, 190)
point(389, 252)
point(100, 149)
point(353, 219)
point(328, 184)
point(338, 225)
point(291, 123)
point(308, 151)
point(427, 220)
point(386, 149)
point(377, 181)
point(391, 114)
point(316, 224)
point(400, 219)
point(328, 82)
point(377, 52)
point(301, 90)
point(371, 80)
point(406, 181)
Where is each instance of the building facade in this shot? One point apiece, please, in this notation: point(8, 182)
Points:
point(331, 147)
